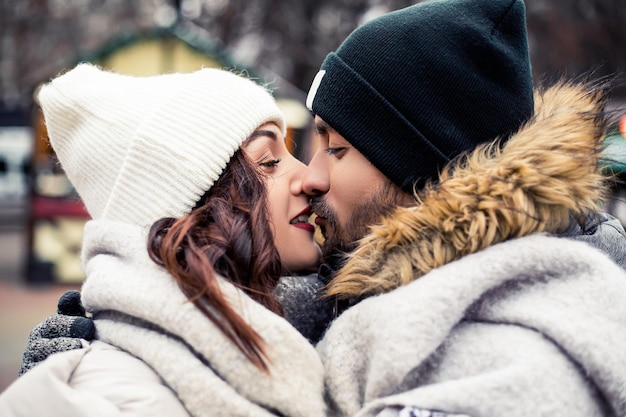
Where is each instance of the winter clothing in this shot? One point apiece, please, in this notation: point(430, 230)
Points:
point(602, 231)
point(59, 332)
point(506, 318)
point(139, 308)
point(304, 306)
point(529, 327)
point(300, 296)
point(415, 88)
point(98, 380)
point(118, 136)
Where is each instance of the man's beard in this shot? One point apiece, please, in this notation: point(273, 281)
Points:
point(343, 240)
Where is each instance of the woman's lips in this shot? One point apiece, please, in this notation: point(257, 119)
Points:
point(305, 226)
point(301, 221)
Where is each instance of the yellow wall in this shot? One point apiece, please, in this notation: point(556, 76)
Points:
point(156, 56)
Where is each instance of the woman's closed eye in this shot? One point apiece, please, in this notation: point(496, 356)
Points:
point(269, 163)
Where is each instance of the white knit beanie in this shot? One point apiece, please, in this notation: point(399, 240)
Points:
point(138, 149)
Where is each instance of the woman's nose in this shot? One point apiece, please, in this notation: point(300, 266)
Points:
point(300, 172)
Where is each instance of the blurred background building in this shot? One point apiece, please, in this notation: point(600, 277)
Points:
point(280, 42)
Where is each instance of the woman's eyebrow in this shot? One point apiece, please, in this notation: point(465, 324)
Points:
point(258, 133)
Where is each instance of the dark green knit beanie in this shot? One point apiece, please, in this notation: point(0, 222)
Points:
point(416, 87)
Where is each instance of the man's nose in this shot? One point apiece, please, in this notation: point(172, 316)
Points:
point(316, 179)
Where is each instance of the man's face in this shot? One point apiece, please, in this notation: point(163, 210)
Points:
point(348, 193)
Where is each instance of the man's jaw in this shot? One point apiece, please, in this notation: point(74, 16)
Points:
point(340, 239)
point(334, 247)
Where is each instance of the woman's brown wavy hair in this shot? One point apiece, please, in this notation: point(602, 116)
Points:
point(228, 233)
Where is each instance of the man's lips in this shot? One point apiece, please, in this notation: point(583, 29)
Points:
point(322, 223)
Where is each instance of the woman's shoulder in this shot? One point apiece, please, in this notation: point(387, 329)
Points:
point(126, 381)
point(99, 380)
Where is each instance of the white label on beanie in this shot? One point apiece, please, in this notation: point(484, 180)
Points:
point(313, 90)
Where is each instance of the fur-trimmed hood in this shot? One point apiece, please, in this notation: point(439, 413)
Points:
point(544, 175)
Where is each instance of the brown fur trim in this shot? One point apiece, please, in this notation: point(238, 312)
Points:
point(546, 172)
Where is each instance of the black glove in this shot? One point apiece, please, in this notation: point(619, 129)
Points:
point(59, 332)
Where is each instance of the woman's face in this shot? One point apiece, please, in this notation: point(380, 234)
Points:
point(289, 206)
